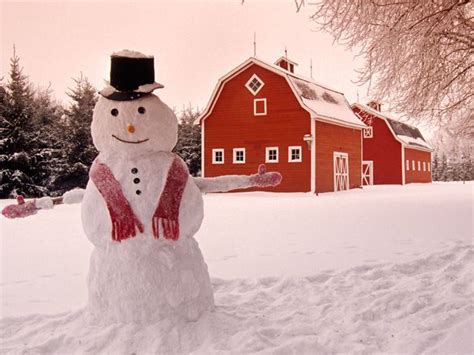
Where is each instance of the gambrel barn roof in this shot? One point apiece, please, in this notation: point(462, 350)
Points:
point(320, 101)
point(408, 135)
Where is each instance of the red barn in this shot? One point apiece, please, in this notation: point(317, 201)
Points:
point(394, 152)
point(264, 113)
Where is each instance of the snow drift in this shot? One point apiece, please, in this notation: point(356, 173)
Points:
point(384, 269)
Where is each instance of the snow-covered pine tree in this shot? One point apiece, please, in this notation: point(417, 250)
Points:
point(76, 141)
point(189, 140)
point(50, 126)
point(443, 171)
point(419, 55)
point(435, 167)
point(466, 170)
point(19, 141)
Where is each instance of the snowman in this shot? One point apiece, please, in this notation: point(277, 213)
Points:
point(141, 208)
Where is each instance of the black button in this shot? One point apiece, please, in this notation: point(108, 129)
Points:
point(136, 180)
point(134, 170)
point(138, 192)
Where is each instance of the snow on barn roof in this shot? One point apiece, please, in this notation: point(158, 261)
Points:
point(320, 101)
point(409, 134)
point(406, 133)
point(324, 102)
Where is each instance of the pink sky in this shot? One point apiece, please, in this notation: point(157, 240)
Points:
point(194, 42)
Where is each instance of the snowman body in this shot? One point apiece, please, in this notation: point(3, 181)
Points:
point(141, 208)
point(142, 279)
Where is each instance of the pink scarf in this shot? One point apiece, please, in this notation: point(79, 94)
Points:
point(124, 221)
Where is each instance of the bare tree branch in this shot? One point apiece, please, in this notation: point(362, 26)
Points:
point(418, 55)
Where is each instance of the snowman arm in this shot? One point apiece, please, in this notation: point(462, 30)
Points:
point(233, 182)
point(73, 196)
point(223, 183)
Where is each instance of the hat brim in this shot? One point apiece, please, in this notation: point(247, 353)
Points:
point(112, 93)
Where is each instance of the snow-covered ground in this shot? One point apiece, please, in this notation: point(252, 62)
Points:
point(384, 269)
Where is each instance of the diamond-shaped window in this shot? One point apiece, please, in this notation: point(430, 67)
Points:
point(254, 84)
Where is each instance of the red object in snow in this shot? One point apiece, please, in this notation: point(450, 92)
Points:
point(263, 113)
point(263, 179)
point(167, 212)
point(124, 220)
point(387, 157)
point(22, 209)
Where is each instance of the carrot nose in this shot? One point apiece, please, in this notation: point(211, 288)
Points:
point(130, 128)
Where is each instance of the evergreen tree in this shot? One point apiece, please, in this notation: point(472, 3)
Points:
point(443, 171)
point(18, 140)
point(189, 140)
point(454, 166)
point(50, 126)
point(435, 168)
point(466, 167)
point(77, 148)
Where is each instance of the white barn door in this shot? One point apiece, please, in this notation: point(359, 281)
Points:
point(341, 171)
point(367, 172)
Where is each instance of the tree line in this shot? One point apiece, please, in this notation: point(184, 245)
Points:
point(459, 167)
point(46, 147)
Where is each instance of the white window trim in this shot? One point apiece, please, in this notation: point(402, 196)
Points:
point(264, 113)
point(424, 166)
point(413, 165)
point(419, 165)
point(247, 85)
point(408, 165)
point(429, 166)
point(368, 132)
point(291, 147)
point(267, 151)
point(234, 154)
point(214, 151)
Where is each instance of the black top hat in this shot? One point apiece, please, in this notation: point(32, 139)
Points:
point(132, 75)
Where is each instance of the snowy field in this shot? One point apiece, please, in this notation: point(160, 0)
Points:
point(386, 269)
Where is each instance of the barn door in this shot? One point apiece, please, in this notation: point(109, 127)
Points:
point(341, 171)
point(367, 172)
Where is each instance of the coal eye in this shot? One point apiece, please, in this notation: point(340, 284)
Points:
point(114, 112)
point(141, 110)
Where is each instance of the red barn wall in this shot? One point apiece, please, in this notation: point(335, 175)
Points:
point(232, 124)
point(417, 176)
point(332, 138)
point(384, 150)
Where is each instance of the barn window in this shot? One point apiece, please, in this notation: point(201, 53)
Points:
point(429, 166)
point(260, 107)
point(368, 132)
point(271, 155)
point(254, 84)
point(239, 156)
point(419, 165)
point(218, 156)
point(424, 166)
point(413, 165)
point(408, 165)
point(294, 154)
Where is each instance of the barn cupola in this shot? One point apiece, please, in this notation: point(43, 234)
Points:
point(376, 105)
point(286, 64)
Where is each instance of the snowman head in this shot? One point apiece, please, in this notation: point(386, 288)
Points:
point(128, 118)
point(143, 125)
